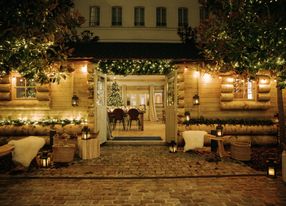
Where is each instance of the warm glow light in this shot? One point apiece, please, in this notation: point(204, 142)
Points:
point(196, 74)
point(230, 79)
point(207, 78)
point(84, 68)
point(263, 81)
point(185, 68)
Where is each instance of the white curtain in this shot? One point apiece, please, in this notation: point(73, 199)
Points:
point(152, 108)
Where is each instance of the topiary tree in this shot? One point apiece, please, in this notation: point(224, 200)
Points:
point(114, 98)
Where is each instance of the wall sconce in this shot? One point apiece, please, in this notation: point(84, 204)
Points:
point(173, 147)
point(219, 130)
point(75, 100)
point(271, 168)
point(196, 100)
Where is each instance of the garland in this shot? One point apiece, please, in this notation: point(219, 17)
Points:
point(43, 122)
point(250, 122)
point(136, 67)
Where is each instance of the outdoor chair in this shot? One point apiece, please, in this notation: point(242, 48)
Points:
point(133, 116)
point(118, 116)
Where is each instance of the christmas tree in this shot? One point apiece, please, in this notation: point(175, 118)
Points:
point(114, 98)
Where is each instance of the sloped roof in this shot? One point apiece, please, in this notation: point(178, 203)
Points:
point(102, 50)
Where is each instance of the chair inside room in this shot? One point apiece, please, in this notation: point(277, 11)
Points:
point(118, 116)
point(133, 116)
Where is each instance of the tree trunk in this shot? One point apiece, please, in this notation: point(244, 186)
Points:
point(281, 117)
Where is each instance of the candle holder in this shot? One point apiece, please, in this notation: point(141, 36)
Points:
point(173, 147)
point(45, 159)
point(271, 167)
point(219, 131)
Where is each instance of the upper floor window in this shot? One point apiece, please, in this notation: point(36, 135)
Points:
point(244, 88)
point(183, 16)
point(94, 16)
point(25, 89)
point(139, 16)
point(161, 16)
point(116, 16)
point(203, 13)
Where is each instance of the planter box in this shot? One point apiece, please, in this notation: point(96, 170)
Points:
point(241, 151)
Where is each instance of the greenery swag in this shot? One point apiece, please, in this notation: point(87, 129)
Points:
point(249, 122)
point(43, 122)
point(136, 67)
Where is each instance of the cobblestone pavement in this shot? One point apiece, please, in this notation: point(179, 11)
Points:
point(143, 175)
point(146, 161)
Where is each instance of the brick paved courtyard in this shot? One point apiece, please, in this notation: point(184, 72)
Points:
point(143, 175)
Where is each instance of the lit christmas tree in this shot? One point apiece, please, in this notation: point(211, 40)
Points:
point(114, 98)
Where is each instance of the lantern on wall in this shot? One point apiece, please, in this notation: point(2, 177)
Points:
point(219, 130)
point(196, 100)
point(173, 147)
point(271, 167)
point(75, 100)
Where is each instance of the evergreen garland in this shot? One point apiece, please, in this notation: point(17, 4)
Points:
point(249, 122)
point(43, 122)
point(136, 67)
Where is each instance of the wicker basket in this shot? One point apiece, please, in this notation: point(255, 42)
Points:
point(241, 151)
point(63, 153)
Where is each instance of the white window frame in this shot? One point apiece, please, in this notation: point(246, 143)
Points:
point(139, 16)
point(94, 16)
point(161, 17)
point(244, 89)
point(25, 87)
point(183, 16)
point(116, 19)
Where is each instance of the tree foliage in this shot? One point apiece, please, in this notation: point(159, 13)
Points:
point(244, 36)
point(34, 36)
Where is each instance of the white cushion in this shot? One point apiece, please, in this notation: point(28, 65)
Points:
point(193, 139)
point(26, 149)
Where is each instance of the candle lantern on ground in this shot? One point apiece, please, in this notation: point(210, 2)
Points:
point(45, 159)
point(271, 164)
point(85, 132)
point(219, 130)
point(173, 147)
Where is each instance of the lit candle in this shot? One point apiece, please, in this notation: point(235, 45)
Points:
point(271, 171)
point(44, 162)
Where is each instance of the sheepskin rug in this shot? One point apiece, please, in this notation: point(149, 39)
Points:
point(193, 139)
point(26, 149)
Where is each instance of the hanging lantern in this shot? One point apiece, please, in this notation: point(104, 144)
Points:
point(196, 100)
point(45, 159)
point(271, 168)
point(219, 130)
point(173, 147)
point(75, 100)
